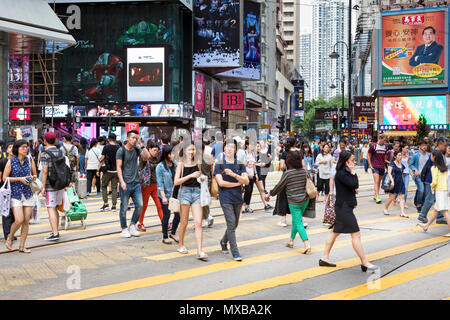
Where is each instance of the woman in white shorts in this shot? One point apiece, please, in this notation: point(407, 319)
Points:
point(439, 184)
point(21, 172)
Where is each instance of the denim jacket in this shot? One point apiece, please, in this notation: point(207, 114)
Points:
point(164, 179)
point(414, 162)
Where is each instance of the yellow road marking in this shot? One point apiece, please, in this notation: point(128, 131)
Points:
point(174, 255)
point(189, 273)
point(386, 283)
point(299, 276)
point(446, 298)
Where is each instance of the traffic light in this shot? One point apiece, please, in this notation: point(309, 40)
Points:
point(113, 125)
point(343, 122)
point(335, 117)
point(107, 124)
point(281, 123)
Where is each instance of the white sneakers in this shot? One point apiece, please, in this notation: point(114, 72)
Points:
point(131, 231)
point(282, 224)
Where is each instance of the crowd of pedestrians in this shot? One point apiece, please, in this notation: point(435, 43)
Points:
point(179, 181)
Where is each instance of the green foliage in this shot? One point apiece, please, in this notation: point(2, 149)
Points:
point(422, 130)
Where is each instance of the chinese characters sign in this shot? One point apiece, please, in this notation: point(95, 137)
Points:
point(413, 50)
point(299, 99)
point(407, 110)
point(364, 107)
point(199, 89)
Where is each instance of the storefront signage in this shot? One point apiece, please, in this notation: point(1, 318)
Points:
point(251, 68)
point(217, 33)
point(412, 127)
point(216, 102)
point(146, 74)
point(407, 110)
point(129, 126)
point(19, 87)
point(20, 114)
point(233, 100)
point(327, 113)
point(413, 50)
point(199, 90)
point(59, 111)
point(299, 98)
point(364, 107)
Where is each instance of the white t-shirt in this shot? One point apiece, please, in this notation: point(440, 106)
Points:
point(93, 158)
point(365, 151)
point(324, 169)
point(241, 156)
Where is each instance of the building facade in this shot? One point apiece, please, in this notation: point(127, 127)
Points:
point(305, 63)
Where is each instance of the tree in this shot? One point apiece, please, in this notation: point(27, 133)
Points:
point(422, 130)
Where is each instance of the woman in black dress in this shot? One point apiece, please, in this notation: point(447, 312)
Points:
point(346, 182)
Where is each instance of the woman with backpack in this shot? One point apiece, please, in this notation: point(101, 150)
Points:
point(165, 174)
point(92, 160)
point(21, 172)
point(439, 184)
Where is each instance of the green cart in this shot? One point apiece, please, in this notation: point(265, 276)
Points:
point(77, 212)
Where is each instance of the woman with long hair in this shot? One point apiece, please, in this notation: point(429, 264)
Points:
point(21, 171)
point(250, 160)
point(82, 148)
point(308, 158)
point(230, 176)
point(265, 161)
point(165, 174)
point(395, 173)
point(346, 182)
point(189, 195)
point(294, 181)
point(281, 204)
point(439, 174)
point(324, 160)
point(259, 165)
point(407, 173)
point(92, 161)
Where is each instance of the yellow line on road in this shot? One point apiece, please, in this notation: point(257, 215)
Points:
point(386, 283)
point(190, 273)
point(299, 276)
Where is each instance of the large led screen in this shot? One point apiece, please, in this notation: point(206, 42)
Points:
point(146, 74)
point(407, 110)
point(19, 79)
point(413, 49)
point(217, 33)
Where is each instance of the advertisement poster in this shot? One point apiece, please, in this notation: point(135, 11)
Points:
point(199, 99)
point(166, 110)
point(413, 50)
point(146, 74)
point(20, 114)
point(407, 110)
point(217, 33)
point(251, 68)
point(216, 102)
point(129, 126)
point(233, 101)
point(59, 111)
point(19, 86)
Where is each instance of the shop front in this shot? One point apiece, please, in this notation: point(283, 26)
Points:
point(132, 63)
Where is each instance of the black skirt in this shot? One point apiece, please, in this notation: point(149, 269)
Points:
point(345, 221)
point(281, 204)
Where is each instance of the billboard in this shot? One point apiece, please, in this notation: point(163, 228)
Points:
point(233, 101)
point(20, 114)
point(217, 33)
point(19, 76)
point(413, 49)
point(57, 111)
point(216, 101)
point(146, 74)
point(199, 88)
point(407, 110)
point(251, 68)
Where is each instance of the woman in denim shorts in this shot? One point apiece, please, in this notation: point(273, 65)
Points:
point(189, 196)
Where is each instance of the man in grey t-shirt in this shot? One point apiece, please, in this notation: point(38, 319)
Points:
point(127, 170)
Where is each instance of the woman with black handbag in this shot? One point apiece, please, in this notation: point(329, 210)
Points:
point(294, 182)
point(346, 182)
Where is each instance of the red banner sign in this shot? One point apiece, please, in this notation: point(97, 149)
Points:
point(131, 126)
point(233, 101)
point(20, 114)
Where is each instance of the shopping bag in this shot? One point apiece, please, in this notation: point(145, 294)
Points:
point(214, 188)
point(65, 205)
point(330, 213)
point(205, 196)
point(5, 198)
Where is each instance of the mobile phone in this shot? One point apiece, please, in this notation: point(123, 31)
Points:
point(29, 179)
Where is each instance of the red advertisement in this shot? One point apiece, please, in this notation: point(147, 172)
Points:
point(20, 114)
point(199, 92)
point(131, 126)
point(233, 101)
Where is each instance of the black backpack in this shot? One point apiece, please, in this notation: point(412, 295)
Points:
point(59, 175)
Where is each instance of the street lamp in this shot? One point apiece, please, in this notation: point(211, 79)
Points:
point(333, 86)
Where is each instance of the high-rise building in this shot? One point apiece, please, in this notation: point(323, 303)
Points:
point(305, 62)
point(291, 30)
point(330, 25)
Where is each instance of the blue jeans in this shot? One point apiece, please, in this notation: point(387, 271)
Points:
point(420, 190)
point(82, 159)
point(406, 179)
point(366, 165)
point(133, 191)
point(428, 203)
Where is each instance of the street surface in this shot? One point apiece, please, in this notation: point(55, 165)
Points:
point(96, 263)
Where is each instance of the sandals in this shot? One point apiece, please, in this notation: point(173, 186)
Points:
point(24, 250)
point(166, 241)
point(174, 239)
point(404, 216)
point(290, 245)
point(307, 251)
point(386, 213)
point(203, 256)
point(422, 225)
point(8, 245)
point(182, 250)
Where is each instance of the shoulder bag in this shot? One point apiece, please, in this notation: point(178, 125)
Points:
point(36, 185)
point(5, 198)
point(174, 202)
point(311, 189)
point(146, 175)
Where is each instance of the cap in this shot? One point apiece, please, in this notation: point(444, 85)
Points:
point(49, 135)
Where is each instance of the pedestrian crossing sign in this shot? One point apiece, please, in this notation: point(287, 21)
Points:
point(362, 119)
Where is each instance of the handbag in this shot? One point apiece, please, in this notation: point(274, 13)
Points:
point(36, 185)
point(174, 203)
point(311, 189)
point(330, 213)
point(386, 182)
point(5, 198)
point(310, 211)
point(146, 175)
point(214, 187)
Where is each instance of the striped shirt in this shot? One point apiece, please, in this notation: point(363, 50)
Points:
point(294, 180)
